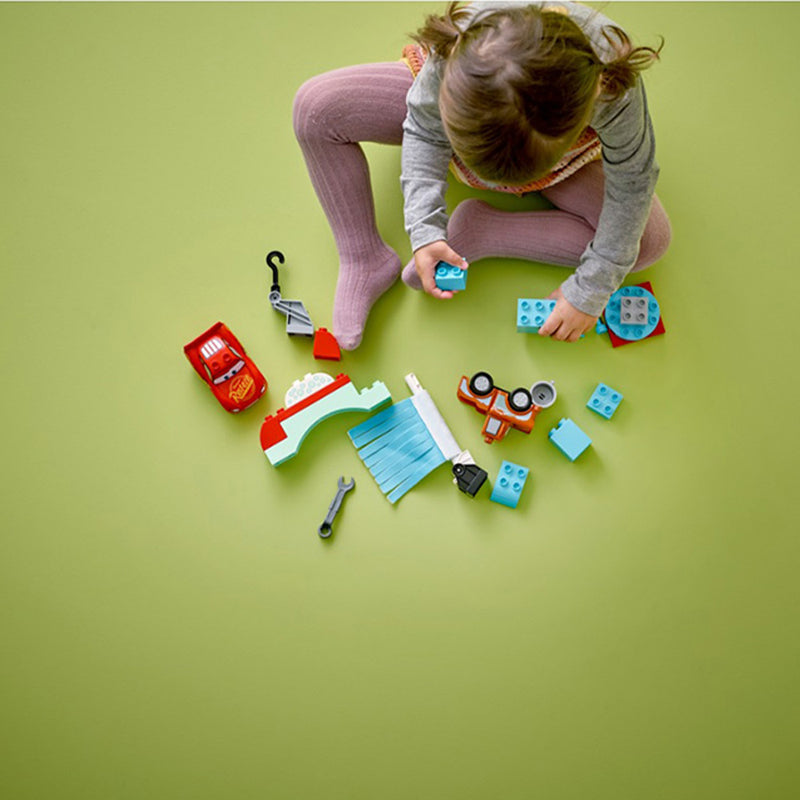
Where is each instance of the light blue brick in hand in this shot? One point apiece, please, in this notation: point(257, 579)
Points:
point(569, 438)
point(604, 400)
point(532, 314)
point(450, 278)
point(508, 486)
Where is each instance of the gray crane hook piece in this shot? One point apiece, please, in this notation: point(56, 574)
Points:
point(298, 320)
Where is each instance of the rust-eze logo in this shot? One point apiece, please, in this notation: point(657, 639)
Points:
point(241, 388)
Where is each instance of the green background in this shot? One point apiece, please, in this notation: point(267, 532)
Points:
point(172, 625)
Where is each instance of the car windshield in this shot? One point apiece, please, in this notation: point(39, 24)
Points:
point(237, 367)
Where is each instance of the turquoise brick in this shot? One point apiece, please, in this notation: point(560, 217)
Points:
point(532, 313)
point(569, 438)
point(600, 326)
point(604, 400)
point(450, 278)
point(509, 484)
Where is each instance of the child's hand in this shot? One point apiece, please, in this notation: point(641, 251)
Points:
point(426, 259)
point(565, 323)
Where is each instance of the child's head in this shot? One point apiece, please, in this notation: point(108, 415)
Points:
point(519, 86)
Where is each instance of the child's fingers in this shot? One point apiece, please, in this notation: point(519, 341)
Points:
point(429, 285)
point(550, 325)
point(433, 290)
point(439, 294)
point(455, 259)
point(428, 279)
point(557, 328)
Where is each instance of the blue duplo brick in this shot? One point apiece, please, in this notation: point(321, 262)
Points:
point(604, 400)
point(450, 278)
point(532, 313)
point(509, 484)
point(569, 438)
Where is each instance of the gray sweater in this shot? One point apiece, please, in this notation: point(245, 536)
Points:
point(629, 168)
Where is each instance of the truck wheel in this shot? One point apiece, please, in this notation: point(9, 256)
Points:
point(520, 400)
point(481, 384)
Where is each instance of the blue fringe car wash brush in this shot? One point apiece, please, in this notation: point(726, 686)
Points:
point(407, 441)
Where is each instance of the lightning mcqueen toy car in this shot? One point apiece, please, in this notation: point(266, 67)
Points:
point(221, 361)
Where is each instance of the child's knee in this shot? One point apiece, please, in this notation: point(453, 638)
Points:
point(656, 237)
point(311, 108)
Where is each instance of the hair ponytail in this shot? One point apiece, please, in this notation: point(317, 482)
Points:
point(441, 33)
point(619, 74)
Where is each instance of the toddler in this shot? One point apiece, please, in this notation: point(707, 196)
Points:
point(513, 97)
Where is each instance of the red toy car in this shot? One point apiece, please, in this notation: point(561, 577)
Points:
point(504, 410)
point(220, 360)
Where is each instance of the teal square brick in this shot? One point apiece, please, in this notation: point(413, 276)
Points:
point(604, 400)
point(509, 484)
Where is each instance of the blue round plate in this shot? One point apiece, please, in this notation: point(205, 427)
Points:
point(632, 332)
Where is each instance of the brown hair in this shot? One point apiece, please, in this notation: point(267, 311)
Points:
point(519, 84)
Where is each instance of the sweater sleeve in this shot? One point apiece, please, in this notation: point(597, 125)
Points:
point(426, 155)
point(630, 173)
point(426, 151)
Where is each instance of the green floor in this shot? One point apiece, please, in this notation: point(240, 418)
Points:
point(172, 625)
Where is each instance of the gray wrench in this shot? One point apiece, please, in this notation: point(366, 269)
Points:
point(325, 529)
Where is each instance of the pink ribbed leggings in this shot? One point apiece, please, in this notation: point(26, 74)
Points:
point(335, 111)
